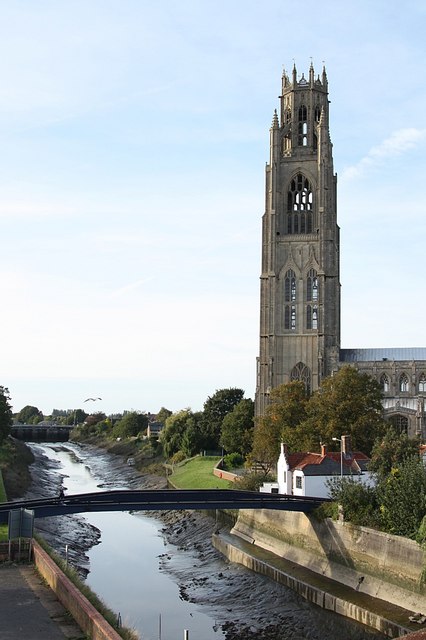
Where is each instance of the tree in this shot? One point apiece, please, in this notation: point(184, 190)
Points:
point(281, 423)
point(76, 417)
point(216, 408)
point(163, 414)
point(402, 498)
point(350, 403)
point(130, 424)
point(6, 416)
point(30, 415)
point(179, 433)
point(237, 428)
point(388, 452)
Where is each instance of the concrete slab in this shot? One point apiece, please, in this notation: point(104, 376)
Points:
point(29, 610)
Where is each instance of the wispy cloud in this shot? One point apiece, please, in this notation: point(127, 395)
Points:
point(398, 143)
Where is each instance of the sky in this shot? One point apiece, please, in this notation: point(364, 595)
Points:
point(133, 141)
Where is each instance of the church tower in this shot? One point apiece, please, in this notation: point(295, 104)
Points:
point(299, 283)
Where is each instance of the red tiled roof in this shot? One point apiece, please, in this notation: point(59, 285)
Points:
point(301, 459)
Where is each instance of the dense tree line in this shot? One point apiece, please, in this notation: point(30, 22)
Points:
point(396, 501)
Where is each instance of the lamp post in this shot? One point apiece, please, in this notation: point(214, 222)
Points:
point(341, 454)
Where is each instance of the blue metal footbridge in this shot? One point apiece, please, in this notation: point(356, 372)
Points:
point(160, 500)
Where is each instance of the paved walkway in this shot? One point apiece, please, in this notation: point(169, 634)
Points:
point(29, 610)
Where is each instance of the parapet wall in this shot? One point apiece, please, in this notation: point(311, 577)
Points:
point(84, 613)
point(384, 566)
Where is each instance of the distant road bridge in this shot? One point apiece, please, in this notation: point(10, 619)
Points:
point(161, 500)
point(44, 432)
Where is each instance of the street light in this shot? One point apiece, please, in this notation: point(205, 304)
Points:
point(341, 454)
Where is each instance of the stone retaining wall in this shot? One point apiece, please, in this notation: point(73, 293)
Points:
point(313, 594)
point(384, 566)
point(84, 613)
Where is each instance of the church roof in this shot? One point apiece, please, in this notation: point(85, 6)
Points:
point(389, 353)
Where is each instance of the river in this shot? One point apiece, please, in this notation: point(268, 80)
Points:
point(161, 574)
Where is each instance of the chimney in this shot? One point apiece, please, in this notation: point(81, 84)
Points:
point(324, 449)
point(346, 444)
point(284, 449)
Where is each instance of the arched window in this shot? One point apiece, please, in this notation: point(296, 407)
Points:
point(299, 206)
point(303, 126)
point(312, 316)
point(290, 294)
point(303, 373)
point(403, 383)
point(422, 383)
point(400, 423)
point(290, 286)
point(312, 286)
point(384, 383)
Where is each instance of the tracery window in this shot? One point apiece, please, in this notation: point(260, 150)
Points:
point(400, 423)
point(303, 126)
point(422, 383)
point(403, 383)
point(303, 373)
point(290, 294)
point(299, 206)
point(384, 383)
point(290, 286)
point(312, 286)
point(312, 316)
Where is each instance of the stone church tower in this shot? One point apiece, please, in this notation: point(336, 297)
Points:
point(299, 283)
point(300, 287)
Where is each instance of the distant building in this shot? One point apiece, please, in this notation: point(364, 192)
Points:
point(307, 474)
point(300, 274)
point(154, 429)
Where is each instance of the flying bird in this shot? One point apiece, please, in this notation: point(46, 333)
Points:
point(93, 399)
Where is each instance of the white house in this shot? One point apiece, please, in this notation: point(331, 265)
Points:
point(306, 474)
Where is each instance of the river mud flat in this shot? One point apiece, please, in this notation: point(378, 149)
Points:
point(244, 605)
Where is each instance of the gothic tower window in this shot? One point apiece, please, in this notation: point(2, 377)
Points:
point(422, 383)
point(403, 383)
point(384, 383)
point(312, 286)
point(290, 299)
point(317, 113)
point(303, 126)
point(299, 206)
point(312, 317)
point(302, 372)
point(290, 286)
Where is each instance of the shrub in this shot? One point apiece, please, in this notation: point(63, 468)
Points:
point(233, 461)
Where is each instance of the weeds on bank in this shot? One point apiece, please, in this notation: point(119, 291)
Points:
point(71, 573)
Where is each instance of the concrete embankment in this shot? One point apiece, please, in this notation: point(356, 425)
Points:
point(360, 573)
point(83, 612)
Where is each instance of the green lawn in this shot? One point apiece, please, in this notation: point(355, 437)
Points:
point(197, 473)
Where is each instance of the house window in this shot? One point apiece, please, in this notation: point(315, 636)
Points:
point(298, 482)
point(285, 476)
point(422, 383)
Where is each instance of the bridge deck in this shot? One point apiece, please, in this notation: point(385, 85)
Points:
point(160, 500)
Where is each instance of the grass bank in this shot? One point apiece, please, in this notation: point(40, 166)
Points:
point(197, 473)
